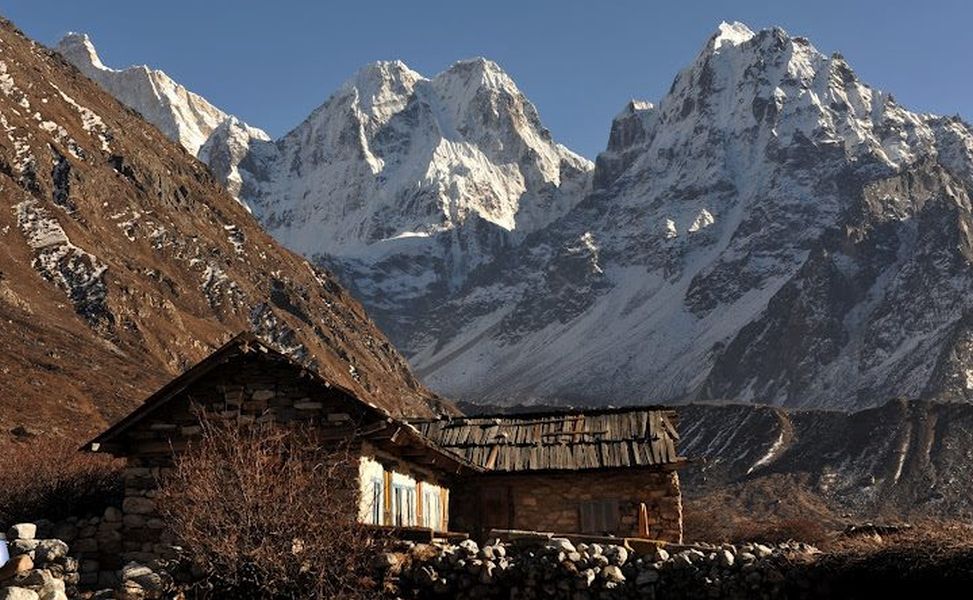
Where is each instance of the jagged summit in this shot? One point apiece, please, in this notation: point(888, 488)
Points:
point(78, 48)
point(453, 167)
point(734, 34)
point(480, 72)
point(181, 115)
point(381, 86)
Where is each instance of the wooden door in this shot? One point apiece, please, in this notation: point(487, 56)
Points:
point(496, 508)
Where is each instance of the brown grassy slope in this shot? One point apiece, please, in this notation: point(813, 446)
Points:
point(154, 267)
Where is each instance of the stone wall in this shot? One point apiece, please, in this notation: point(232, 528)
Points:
point(557, 568)
point(38, 569)
point(103, 545)
point(551, 502)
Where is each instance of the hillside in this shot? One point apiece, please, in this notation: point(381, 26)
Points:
point(900, 461)
point(123, 262)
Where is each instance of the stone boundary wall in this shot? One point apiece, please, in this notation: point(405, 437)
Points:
point(38, 569)
point(45, 567)
point(557, 568)
point(101, 546)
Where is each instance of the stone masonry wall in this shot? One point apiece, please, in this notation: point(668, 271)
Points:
point(551, 502)
point(557, 568)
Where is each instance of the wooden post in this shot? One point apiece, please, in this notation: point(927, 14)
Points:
point(387, 496)
point(420, 518)
point(643, 520)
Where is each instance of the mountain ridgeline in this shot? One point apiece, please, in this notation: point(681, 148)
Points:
point(773, 230)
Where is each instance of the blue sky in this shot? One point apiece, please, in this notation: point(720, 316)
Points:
point(271, 63)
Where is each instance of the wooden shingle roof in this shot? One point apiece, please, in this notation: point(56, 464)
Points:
point(608, 438)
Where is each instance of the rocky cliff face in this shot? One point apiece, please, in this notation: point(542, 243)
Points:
point(123, 262)
point(773, 231)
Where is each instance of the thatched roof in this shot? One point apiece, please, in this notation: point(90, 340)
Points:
point(596, 439)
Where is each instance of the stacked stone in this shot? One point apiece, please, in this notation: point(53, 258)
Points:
point(39, 569)
point(557, 568)
point(97, 545)
point(145, 538)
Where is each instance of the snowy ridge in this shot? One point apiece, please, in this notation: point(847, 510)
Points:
point(180, 114)
point(394, 153)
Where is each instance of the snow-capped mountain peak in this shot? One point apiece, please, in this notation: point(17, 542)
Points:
point(393, 154)
point(759, 233)
point(734, 34)
point(772, 229)
point(78, 48)
point(180, 114)
point(381, 88)
point(406, 184)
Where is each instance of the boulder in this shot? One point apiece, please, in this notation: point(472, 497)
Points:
point(613, 574)
point(726, 558)
point(15, 566)
point(22, 531)
point(18, 547)
point(660, 555)
point(617, 554)
point(18, 593)
point(47, 586)
point(149, 583)
point(562, 545)
point(35, 578)
point(134, 505)
point(469, 547)
point(112, 515)
point(50, 551)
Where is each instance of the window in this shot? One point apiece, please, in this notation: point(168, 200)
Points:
point(599, 516)
point(432, 512)
point(403, 505)
point(378, 501)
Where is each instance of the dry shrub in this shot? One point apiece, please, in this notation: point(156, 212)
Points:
point(48, 478)
point(930, 556)
point(717, 524)
point(269, 512)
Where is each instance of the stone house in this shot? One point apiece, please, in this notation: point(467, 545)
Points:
point(405, 479)
point(600, 472)
point(608, 471)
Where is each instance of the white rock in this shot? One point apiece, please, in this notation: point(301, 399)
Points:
point(22, 531)
point(18, 593)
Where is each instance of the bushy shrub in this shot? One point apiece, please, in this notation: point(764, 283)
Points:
point(716, 524)
point(269, 512)
point(49, 478)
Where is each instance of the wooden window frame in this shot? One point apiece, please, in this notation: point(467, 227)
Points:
point(599, 516)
